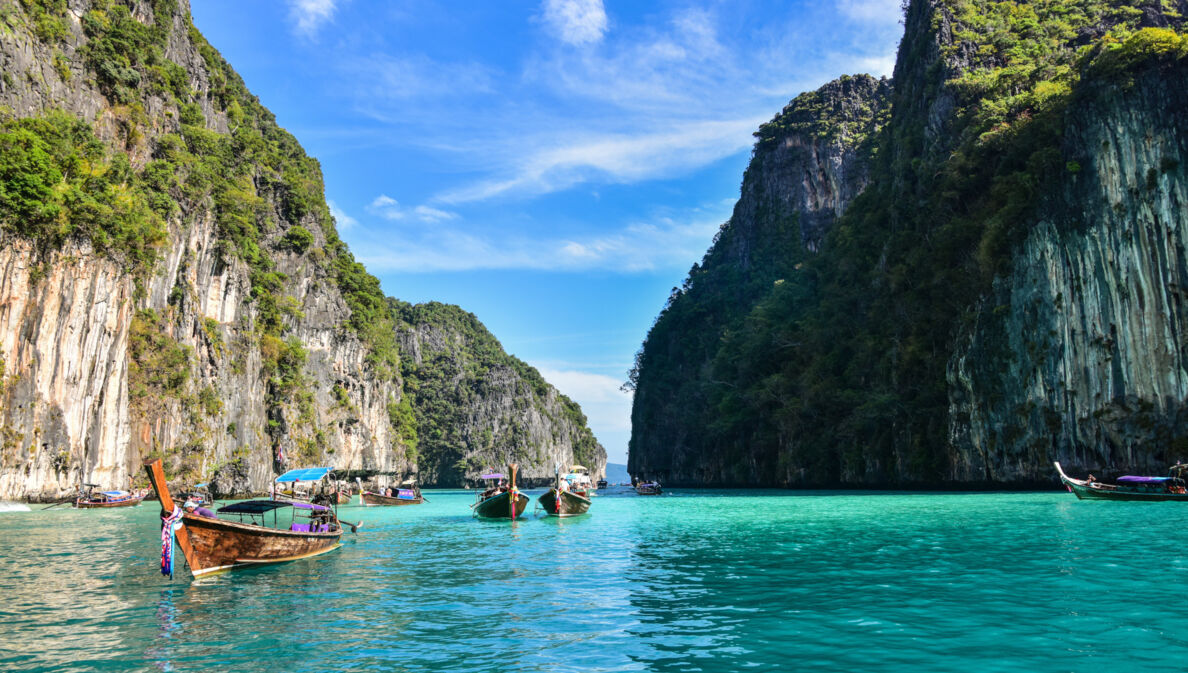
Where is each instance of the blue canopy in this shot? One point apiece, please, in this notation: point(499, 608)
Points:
point(304, 474)
point(1130, 479)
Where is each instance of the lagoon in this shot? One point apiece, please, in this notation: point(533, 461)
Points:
point(688, 581)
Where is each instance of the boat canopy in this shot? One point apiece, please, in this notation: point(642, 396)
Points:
point(304, 474)
point(493, 475)
point(1130, 479)
point(115, 494)
point(408, 482)
point(575, 468)
point(255, 506)
point(309, 505)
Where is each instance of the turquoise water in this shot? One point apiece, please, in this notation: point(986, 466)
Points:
point(689, 581)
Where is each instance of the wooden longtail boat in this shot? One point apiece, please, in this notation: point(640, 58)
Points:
point(404, 496)
point(648, 488)
point(214, 545)
point(90, 499)
point(1171, 487)
point(501, 504)
point(569, 496)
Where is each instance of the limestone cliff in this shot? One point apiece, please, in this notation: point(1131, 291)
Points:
point(1004, 292)
point(177, 286)
point(809, 162)
point(479, 409)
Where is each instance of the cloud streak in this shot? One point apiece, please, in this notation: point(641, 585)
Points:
point(665, 241)
point(576, 22)
point(309, 15)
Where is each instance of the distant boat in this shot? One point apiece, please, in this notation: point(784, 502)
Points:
point(89, 498)
point(1171, 487)
point(570, 495)
point(498, 501)
point(601, 484)
point(308, 484)
point(213, 545)
point(407, 494)
point(648, 488)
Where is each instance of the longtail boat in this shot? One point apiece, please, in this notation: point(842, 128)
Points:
point(648, 488)
point(407, 494)
point(570, 495)
point(1129, 487)
point(88, 498)
point(216, 544)
point(500, 502)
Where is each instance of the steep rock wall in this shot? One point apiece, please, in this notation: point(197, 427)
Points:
point(809, 162)
point(238, 352)
point(1079, 354)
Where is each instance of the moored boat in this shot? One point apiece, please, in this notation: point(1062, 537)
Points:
point(214, 544)
point(408, 493)
point(499, 501)
point(1129, 487)
point(89, 498)
point(569, 496)
point(648, 488)
point(601, 484)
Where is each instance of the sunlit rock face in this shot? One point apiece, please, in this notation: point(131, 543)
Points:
point(72, 407)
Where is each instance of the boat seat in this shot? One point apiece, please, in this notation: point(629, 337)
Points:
point(300, 528)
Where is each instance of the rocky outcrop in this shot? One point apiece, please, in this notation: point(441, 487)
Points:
point(1003, 292)
point(238, 351)
point(809, 163)
point(1079, 353)
point(479, 409)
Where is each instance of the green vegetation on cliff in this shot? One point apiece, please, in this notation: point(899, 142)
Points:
point(473, 401)
point(836, 373)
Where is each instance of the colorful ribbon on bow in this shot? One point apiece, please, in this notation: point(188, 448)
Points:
point(167, 529)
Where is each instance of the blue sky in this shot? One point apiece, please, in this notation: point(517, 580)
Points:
point(553, 166)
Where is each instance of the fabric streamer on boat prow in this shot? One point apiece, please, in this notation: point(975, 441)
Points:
point(14, 507)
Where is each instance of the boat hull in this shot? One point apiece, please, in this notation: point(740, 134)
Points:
point(502, 506)
point(569, 504)
point(648, 490)
point(221, 545)
point(371, 499)
point(1085, 490)
point(95, 504)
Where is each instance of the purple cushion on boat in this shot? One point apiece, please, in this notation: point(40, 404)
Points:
point(300, 528)
point(1130, 479)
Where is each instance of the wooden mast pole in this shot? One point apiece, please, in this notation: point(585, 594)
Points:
point(511, 491)
point(156, 475)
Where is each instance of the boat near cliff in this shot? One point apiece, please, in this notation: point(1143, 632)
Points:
point(1129, 487)
point(498, 501)
point(89, 498)
point(407, 494)
point(648, 488)
point(216, 544)
point(570, 495)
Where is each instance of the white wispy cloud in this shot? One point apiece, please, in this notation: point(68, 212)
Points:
point(576, 22)
point(606, 406)
point(871, 10)
point(670, 240)
point(385, 82)
point(343, 220)
point(546, 166)
point(309, 15)
point(390, 209)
